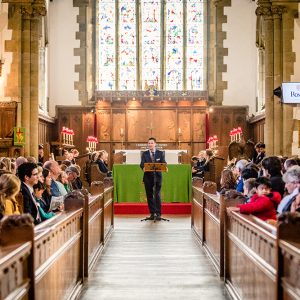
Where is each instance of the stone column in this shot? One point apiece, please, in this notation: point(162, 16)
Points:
point(278, 119)
point(25, 75)
point(30, 76)
point(288, 65)
point(264, 10)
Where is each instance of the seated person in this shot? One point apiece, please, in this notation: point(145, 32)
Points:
point(237, 171)
point(227, 181)
point(292, 183)
point(9, 188)
point(263, 204)
point(202, 163)
point(295, 207)
point(38, 190)
point(72, 175)
point(260, 149)
point(102, 163)
point(249, 188)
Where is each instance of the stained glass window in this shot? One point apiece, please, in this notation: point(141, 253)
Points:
point(144, 43)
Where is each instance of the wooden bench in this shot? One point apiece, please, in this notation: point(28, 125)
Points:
point(257, 260)
point(53, 260)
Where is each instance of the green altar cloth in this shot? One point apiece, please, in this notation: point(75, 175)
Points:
point(129, 186)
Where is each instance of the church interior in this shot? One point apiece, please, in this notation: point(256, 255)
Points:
point(184, 110)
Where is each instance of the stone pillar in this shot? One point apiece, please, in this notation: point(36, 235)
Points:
point(264, 10)
point(288, 65)
point(25, 75)
point(30, 77)
point(34, 86)
point(278, 118)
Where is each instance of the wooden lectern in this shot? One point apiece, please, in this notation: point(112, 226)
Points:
point(155, 167)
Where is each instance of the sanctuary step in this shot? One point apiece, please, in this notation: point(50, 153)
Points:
point(142, 208)
point(146, 260)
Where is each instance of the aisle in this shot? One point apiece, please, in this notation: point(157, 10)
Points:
point(146, 260)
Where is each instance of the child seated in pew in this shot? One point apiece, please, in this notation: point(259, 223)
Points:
point(38, 190)
point(263, 203)
point(249, 188)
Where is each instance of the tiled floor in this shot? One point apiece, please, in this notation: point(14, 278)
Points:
point(146, 260)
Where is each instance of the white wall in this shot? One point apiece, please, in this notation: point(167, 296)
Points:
point(241, 61)
point(6, 57)
point(62, 29)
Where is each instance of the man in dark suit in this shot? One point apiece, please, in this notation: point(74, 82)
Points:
point(28, 174)
point(153, 180)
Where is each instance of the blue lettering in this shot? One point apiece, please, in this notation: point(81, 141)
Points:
point(294, 94)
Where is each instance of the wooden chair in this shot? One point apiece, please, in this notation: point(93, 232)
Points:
point(118, 158)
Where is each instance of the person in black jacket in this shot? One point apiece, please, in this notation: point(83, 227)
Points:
point(28, 174)
point(153, 180)
point(102, 163)
point(272, 168)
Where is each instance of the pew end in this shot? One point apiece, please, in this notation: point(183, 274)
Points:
point(97, 188)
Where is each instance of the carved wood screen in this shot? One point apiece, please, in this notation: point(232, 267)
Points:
point(130, 124)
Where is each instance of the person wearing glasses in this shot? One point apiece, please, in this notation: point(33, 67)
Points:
point(292, 183)
point(28, 174)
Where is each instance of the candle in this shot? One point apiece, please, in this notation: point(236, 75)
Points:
point(121, 131)
point(179, 130)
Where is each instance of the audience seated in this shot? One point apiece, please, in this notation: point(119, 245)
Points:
point(272, 169)
point(202, 164)
point(239, 167)
point(263, 203)
point(292, 183)
point(227, 181)
point(102, 163)
point(9, 188)
point(28, 175)
point(249, 188)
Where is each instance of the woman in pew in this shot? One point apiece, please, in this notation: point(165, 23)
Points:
point(42, 205)
point(9, 188)
point(227, 181)
point(263, 204)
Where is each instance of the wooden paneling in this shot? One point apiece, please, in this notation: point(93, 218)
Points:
point(47, 131)
point(8, 118)
point(161, 119)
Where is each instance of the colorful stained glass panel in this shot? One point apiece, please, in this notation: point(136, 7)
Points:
point(107, 45)
point(127, 45)
point(194, 49)
point(150, 11)
point(174, 44)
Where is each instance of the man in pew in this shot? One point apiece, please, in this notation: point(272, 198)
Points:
point(292, 183)
point(28, 174)
point(263, 203)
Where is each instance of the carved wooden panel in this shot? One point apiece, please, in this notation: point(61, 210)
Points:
point(139, 125)
point(184, 123)
point(118, 129)
point(7, 118)
point(76, 123)
point(164, 125)
point(199, 126)
point(103, 125)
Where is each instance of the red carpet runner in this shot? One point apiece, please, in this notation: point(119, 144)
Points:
point(142, 208)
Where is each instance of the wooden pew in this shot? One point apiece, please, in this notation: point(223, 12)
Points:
point(208, 214)
point(58, 252)
point(250, 258)
point(289, 256)
point(17, 258)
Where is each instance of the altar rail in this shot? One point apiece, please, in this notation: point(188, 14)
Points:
point(257, 260)
point(52, 259)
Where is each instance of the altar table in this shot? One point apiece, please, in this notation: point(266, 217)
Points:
point(129, 187)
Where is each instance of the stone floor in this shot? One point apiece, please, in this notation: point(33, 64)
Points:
point(146, 260)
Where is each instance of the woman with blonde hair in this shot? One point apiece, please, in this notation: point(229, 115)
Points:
point(9, 188)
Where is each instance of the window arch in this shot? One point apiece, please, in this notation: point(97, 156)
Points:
point(144, 43)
